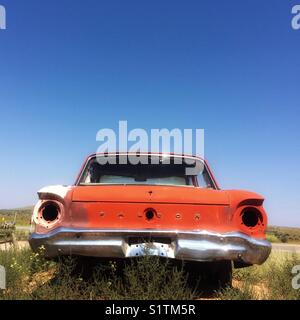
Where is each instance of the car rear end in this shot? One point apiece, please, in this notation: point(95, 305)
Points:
point(170, 206)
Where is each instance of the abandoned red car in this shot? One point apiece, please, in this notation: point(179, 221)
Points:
point(164, 207)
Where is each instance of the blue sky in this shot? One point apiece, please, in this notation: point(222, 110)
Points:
point(69, 68)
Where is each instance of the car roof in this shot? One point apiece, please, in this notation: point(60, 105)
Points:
point(167, 154)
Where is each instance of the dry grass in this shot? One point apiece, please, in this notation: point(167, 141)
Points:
point(272, 280)
point(29, 276)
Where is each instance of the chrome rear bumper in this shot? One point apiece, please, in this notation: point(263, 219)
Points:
point(183, 245)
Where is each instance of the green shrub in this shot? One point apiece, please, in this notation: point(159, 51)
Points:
point(272, 238)
point(146, 278)
point(30, 276)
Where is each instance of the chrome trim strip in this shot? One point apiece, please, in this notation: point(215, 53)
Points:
point(186, 245)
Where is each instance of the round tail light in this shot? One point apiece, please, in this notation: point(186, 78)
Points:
point(251, 217)
point(50, 212)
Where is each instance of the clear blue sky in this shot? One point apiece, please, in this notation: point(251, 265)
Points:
point(69, 68)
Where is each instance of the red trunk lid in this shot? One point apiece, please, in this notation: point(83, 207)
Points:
point(151, 194)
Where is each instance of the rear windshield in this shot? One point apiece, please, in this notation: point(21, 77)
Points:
point(164, 171)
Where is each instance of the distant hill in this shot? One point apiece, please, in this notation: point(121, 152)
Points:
point(283, 234)
point(22, 215)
